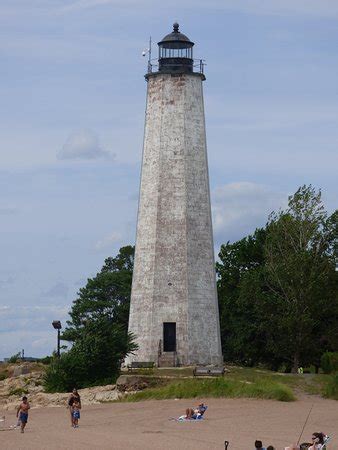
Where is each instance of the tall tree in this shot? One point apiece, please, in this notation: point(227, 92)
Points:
point(107, 294)
point(277, 289)
point(98, 328)
point(300, 269)
point(240, 318)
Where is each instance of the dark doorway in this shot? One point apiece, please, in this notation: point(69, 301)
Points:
point(169, 336)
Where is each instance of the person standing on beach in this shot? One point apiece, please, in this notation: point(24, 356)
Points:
point(22, 413)
point(76, 413)
point(73, 396)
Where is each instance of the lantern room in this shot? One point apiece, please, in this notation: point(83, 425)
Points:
point(175, 53)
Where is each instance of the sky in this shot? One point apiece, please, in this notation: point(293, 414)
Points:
point(72, 103)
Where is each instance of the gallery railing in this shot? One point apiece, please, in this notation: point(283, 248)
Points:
point(198, 65)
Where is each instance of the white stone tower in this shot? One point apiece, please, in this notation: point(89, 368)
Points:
point(174, 310)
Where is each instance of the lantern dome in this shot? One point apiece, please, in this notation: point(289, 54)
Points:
point(175, 52)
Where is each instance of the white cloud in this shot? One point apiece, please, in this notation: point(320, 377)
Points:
point(108, 241)
point(238, 208)
point(83, 144)
point(29, 327)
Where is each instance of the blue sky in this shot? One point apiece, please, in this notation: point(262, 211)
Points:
point(71, 128)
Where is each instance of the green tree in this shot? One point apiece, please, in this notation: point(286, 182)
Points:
point(98, 329)
point(300, 269)
point(277, 288)
point(239, 275)
point(107, 294)
point(94, 359)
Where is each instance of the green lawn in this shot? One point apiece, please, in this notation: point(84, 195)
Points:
point(216, 387)
point(237, 382)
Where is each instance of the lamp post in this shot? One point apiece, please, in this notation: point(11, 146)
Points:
point(57, 325)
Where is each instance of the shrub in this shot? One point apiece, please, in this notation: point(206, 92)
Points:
point(94, 359)
point(14, 358)
point(18, 391)
point(329, 362)
point(46, 360)
point(331, 389)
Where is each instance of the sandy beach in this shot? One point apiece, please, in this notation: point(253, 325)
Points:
point(147, 425)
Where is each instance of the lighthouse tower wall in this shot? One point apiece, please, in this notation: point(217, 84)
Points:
point(174, 275)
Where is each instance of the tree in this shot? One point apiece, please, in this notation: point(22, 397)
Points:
point(277, 288)
point(300, 269)
point(107, 294)
point(98, 329)
point(239, 280)
point(94, 359)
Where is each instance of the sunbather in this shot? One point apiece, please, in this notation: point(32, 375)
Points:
point(196, 413)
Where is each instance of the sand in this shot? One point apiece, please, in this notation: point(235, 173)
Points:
point(146, 425)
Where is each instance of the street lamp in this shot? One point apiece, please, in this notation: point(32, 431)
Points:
point(57, 325)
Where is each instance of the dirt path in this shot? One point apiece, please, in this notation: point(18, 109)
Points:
point(146, 425)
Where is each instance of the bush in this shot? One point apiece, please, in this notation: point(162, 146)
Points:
point(18, 391)
point(94, 359)
point(329, 362)
point(331, 389)
point(46, 360)
point(63, 374)
point(15, 358)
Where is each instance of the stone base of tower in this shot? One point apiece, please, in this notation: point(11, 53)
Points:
point(174, 359)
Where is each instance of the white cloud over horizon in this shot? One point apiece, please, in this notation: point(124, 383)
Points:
point(29, 328)
point(108, 241)
point(83, 144)
point(238, 208)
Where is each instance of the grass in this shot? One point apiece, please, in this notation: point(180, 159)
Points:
point(313, 384)
point(216, 387)
point(238, 382)
point(18, 391)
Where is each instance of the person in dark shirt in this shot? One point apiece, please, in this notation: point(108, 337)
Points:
point(72, 397)
point(76, 412)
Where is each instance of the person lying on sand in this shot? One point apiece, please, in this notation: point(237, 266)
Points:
point(191, 413)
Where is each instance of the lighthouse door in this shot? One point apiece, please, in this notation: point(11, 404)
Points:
point(169, 336)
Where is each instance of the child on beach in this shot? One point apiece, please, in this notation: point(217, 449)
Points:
point(22, 413)
point(76, 413)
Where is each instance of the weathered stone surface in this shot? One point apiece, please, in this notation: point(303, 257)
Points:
point(21, 370)
point(132, 383)
point(174, 276)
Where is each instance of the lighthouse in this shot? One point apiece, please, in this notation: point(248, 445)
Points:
point(174, 310)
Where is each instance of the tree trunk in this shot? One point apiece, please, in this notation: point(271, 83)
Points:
point(295, 362)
